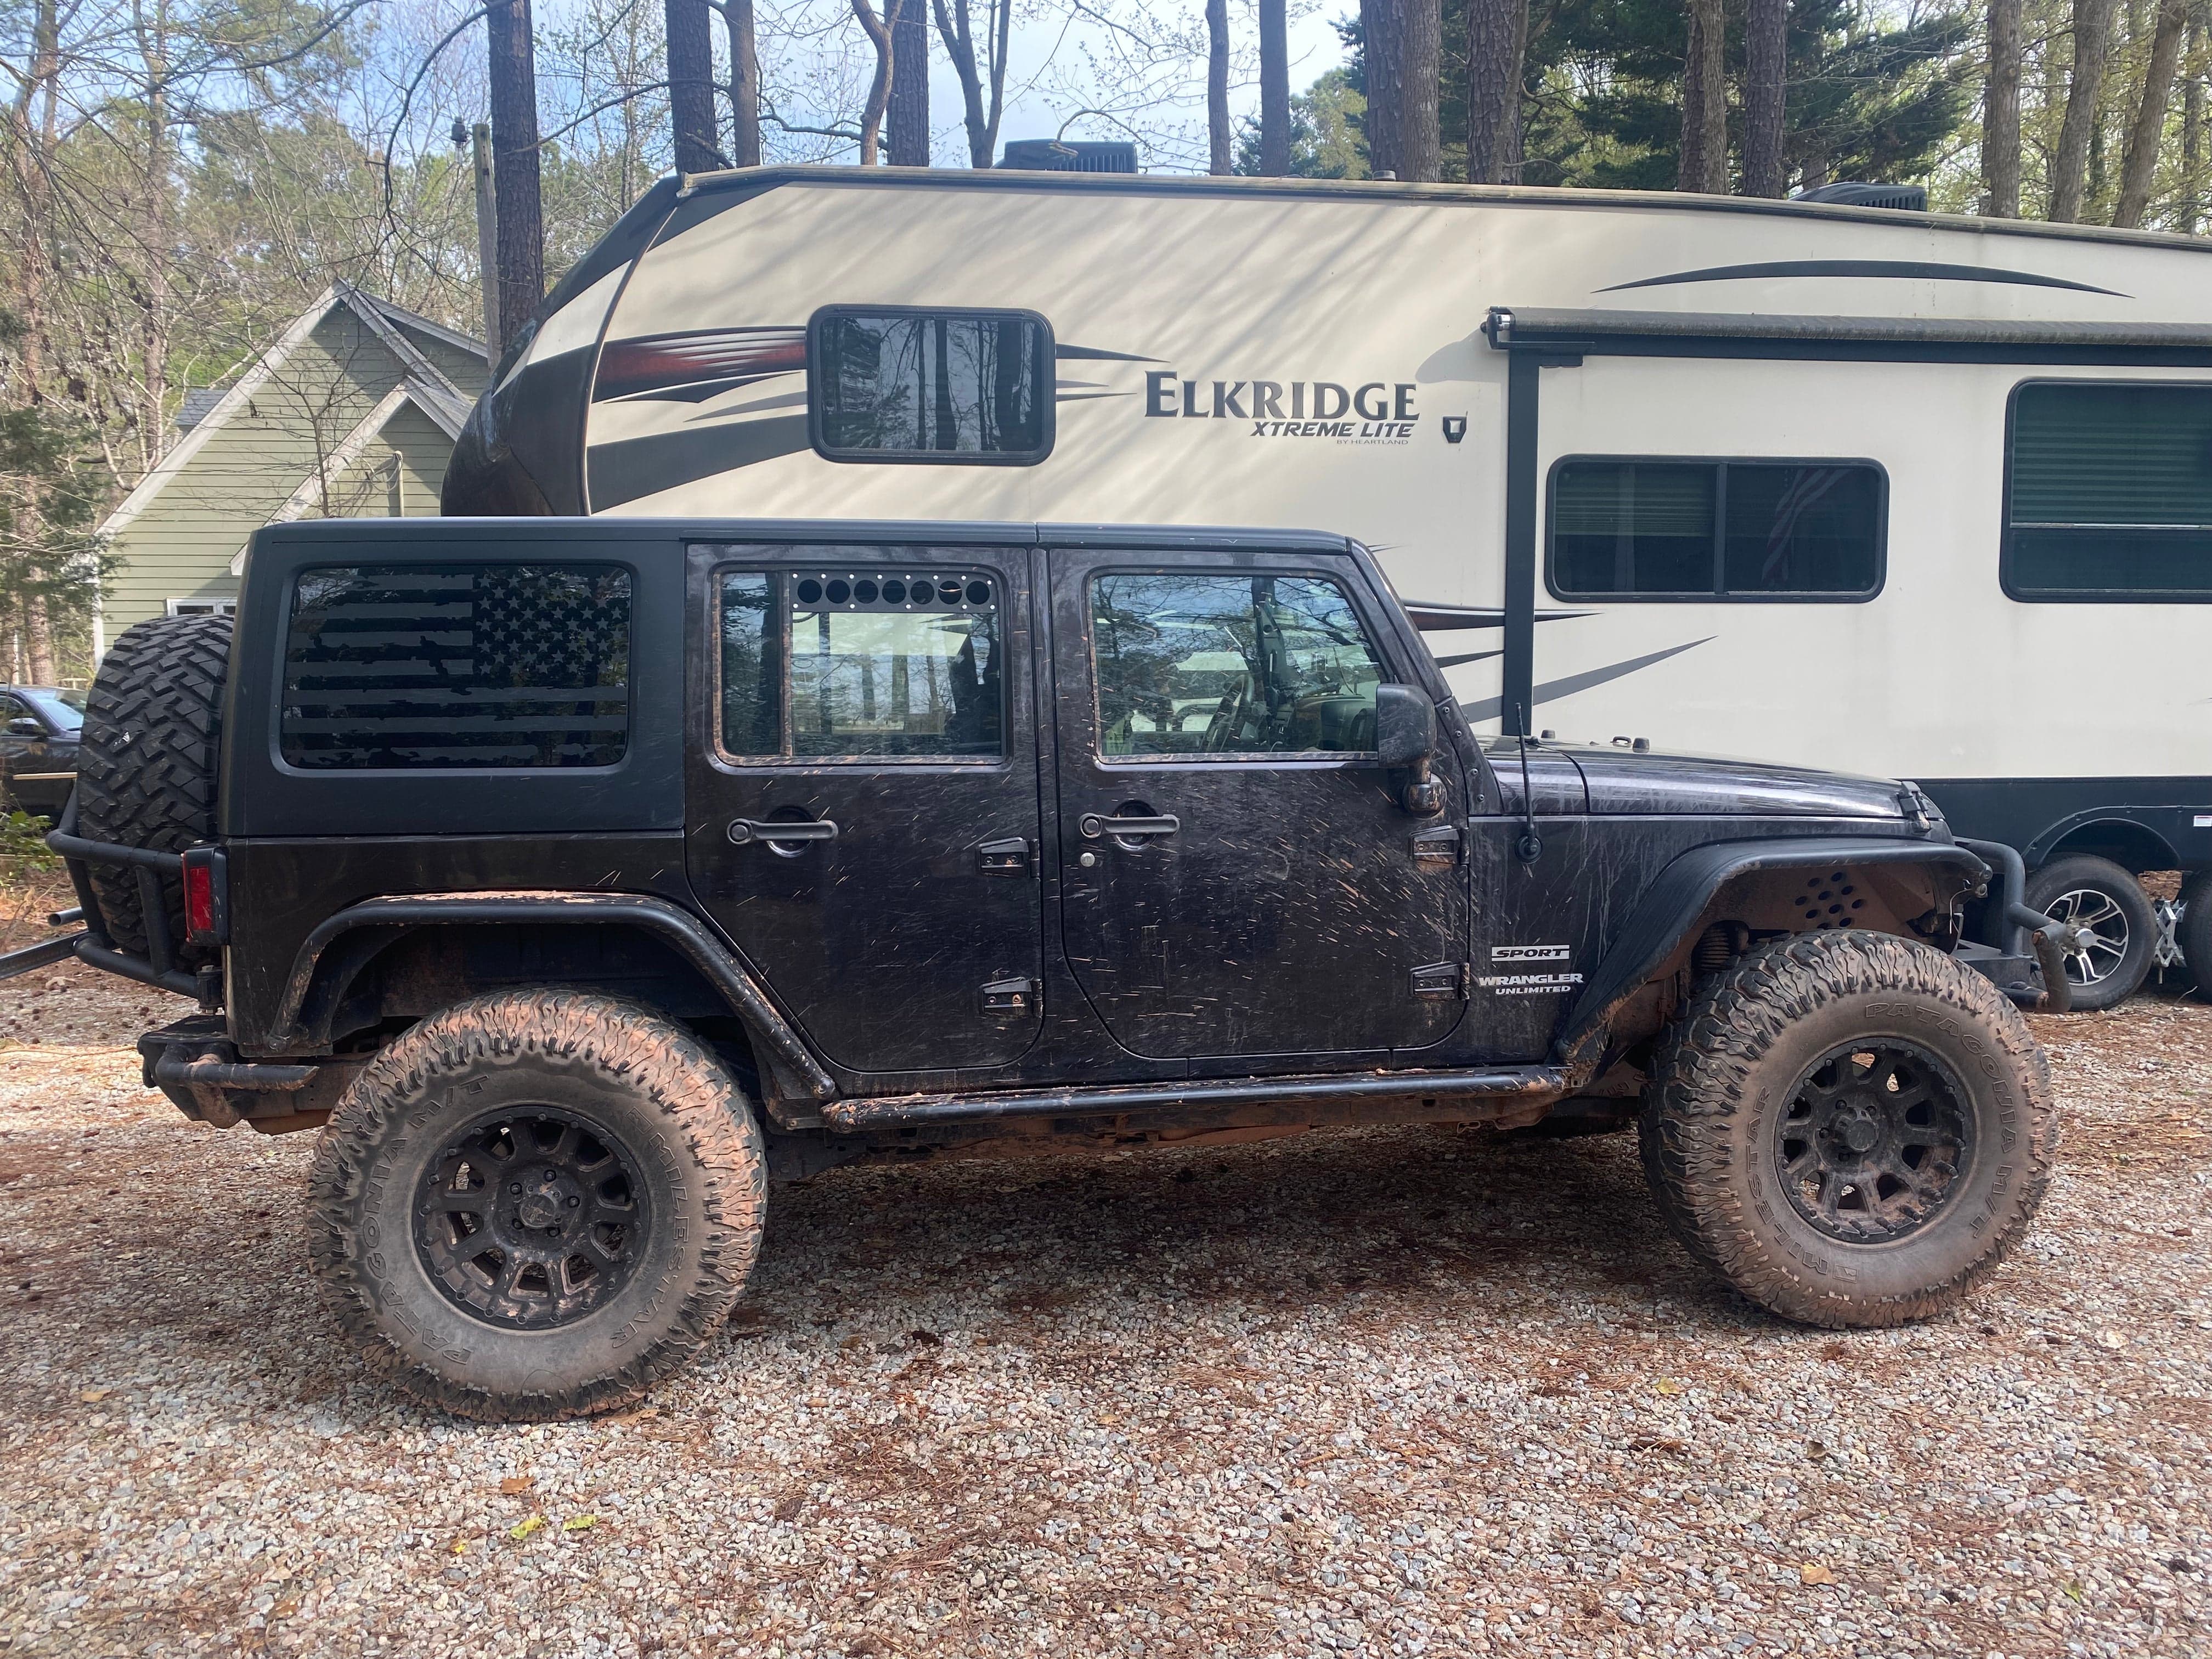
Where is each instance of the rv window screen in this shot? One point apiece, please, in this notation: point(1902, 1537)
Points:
point(449, 666)
point(1715, 530)
point(971, 386)
point(830, 664)
point(2109, 489)
point(1231, 663)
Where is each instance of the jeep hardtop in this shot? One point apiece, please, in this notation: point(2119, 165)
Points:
point(576, 878)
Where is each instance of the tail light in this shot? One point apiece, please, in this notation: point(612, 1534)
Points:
point(207, 897)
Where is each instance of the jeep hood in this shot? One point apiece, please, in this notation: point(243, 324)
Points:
point(1622, 781)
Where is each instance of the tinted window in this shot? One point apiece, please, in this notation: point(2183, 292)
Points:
point(450, 666)
point(903, 664)
point(2110, 492)
point(938, 386)
point(1194, 665)
point(64, 710)
point(1624, 529)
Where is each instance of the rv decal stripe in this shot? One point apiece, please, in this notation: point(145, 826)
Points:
point(1454, 618)
point(635, 467)
point(1490, 707)
point(657, 363)
point(1907, 269)
point(1098, 354)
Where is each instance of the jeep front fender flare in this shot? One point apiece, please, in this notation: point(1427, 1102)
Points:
point(1683, 898)
point(343, 944)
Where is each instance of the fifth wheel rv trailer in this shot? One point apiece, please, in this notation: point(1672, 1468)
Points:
point(1920, 496)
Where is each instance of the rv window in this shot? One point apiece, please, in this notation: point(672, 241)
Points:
point(1200, 665)
point(902, 664)
point(1715, 530)
point(458, 666)
point(2109, 492)
point(971, 386)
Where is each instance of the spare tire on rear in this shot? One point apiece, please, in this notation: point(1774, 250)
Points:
point(146, 764)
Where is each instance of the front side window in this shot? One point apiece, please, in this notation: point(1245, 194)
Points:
point(931, 385)
point(2109, 492)
point(1740, 530)
point(850, 665)
point(453, 667)
point(1231, 663)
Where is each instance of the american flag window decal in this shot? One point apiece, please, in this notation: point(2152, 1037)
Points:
point(457, 666)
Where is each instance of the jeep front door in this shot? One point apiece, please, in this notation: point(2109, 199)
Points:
point(1238, 875)
point(862, 817)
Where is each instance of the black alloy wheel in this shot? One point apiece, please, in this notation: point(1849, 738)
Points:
point(1873, 1141)
point(532, 1218)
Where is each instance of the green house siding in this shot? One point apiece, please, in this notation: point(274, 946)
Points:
point(269, 455)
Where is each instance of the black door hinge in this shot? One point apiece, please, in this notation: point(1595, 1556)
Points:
point(1010, 996)
point(1010, 857)
point(1442, 979)
point(1436, 848)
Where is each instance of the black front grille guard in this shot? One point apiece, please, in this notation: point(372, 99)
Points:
point(94, 945)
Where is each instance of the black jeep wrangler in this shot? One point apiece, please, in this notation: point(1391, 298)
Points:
point(578, 879)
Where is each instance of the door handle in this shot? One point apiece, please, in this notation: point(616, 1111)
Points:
point(1095, 825)
point(744, 831)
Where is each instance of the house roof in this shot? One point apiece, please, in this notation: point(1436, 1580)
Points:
point(423, 384)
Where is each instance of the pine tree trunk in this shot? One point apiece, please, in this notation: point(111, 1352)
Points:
point(2192, 126)
point(1274, 89)
point(1497, 44)
point(1217, 86)
point(691, 85)
point(2139, 168)
point(39, 639)
point(744, 83)
point(2093, 43)
point(2001, 113)
point(1420, 139)
point(909, 130)
point(1379, 24)
point(1705, 102)
point(1766, 45)
point(879, 89)
point(514, 85)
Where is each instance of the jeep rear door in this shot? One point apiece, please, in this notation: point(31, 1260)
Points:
point(1237, 876)
point(862, 812)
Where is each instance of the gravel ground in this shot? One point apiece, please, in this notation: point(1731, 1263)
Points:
point(1370, 1392)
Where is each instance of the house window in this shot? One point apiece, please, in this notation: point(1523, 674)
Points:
point(892, 383)
point(903, 663)
point(199, 607)
point(1677, 529)
point(451, 667)
point(2108, 491)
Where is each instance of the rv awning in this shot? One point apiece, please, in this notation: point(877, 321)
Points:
point(1565, 333)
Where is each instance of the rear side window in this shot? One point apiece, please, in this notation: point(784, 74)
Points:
point(896, 384)
point(844, 664)
point(446, 666)
point(2109, 492)
point(1671, 529)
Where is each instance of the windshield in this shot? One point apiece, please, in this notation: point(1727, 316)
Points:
point(65, 709)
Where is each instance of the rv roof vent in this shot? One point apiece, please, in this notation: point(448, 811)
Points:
point(1069, 155)
point(1913, 198)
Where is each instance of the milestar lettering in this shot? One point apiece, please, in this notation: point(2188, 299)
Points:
point(1377, 409)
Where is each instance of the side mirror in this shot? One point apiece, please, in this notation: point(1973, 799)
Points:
point(24, 727)
point(1405, 726)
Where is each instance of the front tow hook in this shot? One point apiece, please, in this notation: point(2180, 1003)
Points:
point(2053, 940)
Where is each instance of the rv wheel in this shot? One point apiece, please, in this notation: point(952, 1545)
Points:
point(536, 1205)
point(1849, 1128)
point(2195, 932)
point(2113, 957)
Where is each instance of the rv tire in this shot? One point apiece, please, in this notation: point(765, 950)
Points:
point(2195, 933)
point(2099, 894)
point(1849, 1128)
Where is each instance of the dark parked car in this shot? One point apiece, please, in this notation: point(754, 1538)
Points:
point(38, 746)
point(577, 877)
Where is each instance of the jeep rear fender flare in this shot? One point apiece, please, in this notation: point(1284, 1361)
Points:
point(343, 943)
point(1692, 892)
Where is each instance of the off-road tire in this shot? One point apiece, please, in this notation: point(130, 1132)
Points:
point(1753, 1037)
point(147, 761)
point(619, 1065)
point(2086, 874)
point(2194, 935)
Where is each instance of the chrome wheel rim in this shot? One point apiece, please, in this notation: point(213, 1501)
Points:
point(2100, 937)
